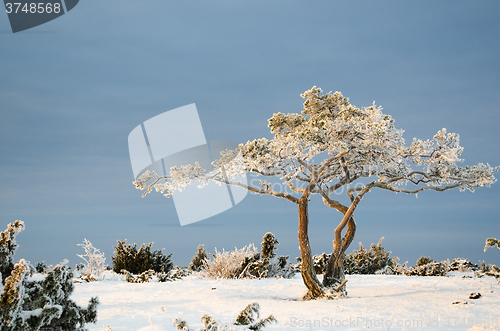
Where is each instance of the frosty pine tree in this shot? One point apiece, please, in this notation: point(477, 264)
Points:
point(332, 147)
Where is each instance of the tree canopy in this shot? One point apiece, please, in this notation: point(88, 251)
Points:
point(357, 143)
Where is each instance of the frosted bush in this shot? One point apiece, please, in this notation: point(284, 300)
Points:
point(145, 277)
point(280, 267)
point(197, 263)
point(493, 270)
point(136, 261)
point(228, 264)
point(319, 263)
point(176, 272)
point(463, 265)
point(268, 264)
point(376, 260)
point(247, 319)
point(492, 242)
point(151, 276)
point(427, 267)
point(94, 268)
point(249, 263)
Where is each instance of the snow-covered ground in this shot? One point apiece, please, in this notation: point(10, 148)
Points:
point(374, 302)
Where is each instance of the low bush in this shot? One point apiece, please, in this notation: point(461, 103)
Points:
point(319, 263)
point(492, 270)
point(136, 261)
point(249, 263)
point(94, 267)
point(427, 267)
point(145, 277)
point(373, 261)
point(247, 319)
point(229, 264)
point(361, 262)
point(150, 275)
point(462, 265)
point(198, 261)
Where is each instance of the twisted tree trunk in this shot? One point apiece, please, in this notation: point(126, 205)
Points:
point(309, 278)
point(334, 271)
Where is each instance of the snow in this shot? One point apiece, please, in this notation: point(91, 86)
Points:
point(27, 314)
point(374, 302)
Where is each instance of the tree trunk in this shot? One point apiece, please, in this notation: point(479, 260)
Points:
point(334, 271)
point(335, 268)
point(312, 283)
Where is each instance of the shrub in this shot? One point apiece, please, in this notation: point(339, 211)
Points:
point(493, 270)
point(319, 263)
point(229, 264)
point(280, 267)
point(427, 267)
point(94, 259)
point(198, 261)
point(136, 261)
point(29, 305)
point(149, 275)
point(249, 263)
point(373, 261)
point(491, 242)
point(247, 318)
point(8, 247)
point(144, 277)
point(364, 262)
point(462, 265)
point(424, 260)
point(268, 264)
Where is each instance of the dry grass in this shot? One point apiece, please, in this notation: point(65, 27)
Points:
point(227, 265)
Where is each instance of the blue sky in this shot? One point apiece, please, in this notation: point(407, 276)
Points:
point(72, 90)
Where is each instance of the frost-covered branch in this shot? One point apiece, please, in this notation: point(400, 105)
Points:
point(492, 242)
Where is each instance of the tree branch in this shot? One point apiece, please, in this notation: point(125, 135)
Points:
point(264, 191)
